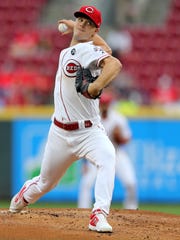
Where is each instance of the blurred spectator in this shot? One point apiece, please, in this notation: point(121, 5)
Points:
point(25, 77)
point(124, 88)
point(164, 93)
point(22, 87)
point(16, 94)
point(2, 98)
point(130, 11)
point(24, 44)
point(30, 44)
point(120, 41)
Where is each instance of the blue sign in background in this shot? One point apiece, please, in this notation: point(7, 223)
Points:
point(154, 151)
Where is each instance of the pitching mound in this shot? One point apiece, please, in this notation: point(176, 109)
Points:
point(72, 224)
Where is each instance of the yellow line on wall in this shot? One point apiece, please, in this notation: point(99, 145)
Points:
point(9, 113)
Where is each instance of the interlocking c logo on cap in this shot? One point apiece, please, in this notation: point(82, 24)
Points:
point(89, 10)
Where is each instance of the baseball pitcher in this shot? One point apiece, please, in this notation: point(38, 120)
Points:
point(84, 70)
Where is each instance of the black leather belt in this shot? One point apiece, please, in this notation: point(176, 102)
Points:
point(71, 126)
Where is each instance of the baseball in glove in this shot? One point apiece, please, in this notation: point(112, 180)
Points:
point(83, 79)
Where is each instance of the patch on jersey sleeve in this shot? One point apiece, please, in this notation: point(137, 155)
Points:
point(98, 49)
point(73, 51)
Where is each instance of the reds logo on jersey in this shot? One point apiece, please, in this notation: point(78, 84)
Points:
point(70, 68)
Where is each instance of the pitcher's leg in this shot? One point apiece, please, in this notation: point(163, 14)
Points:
point(104, 184)
point(103, 155)
point(56, 160)
point(103, 189)
point(86, 185)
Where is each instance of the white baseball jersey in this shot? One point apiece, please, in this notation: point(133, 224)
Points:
point(66, 99)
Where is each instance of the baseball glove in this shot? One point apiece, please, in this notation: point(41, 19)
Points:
point(83, 79)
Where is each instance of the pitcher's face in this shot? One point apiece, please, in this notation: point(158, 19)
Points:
point(84, 30)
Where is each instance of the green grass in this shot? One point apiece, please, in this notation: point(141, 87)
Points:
point(157, 207)
point(166, 208)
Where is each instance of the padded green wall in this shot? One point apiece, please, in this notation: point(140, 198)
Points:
point(5, 159)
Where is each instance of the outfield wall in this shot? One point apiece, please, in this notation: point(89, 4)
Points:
point(154, 150)
point(5, 158)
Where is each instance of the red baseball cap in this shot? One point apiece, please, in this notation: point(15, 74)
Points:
point(91, 12)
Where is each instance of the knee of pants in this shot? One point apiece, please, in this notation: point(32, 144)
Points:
point(108, 159)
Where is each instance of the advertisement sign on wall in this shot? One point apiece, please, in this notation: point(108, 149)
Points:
point(154, 150)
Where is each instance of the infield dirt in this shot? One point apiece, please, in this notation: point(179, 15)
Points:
point(72, 224)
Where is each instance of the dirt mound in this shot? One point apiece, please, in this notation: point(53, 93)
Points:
point(73, 224)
